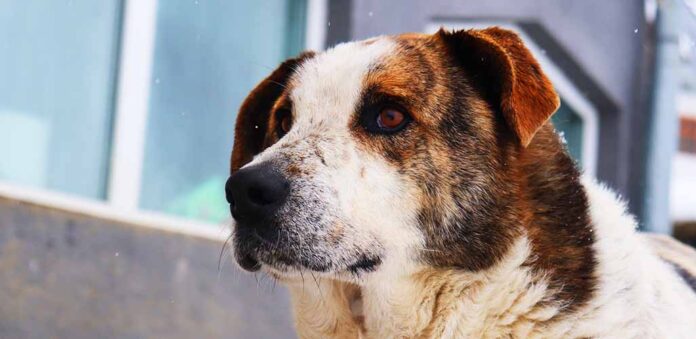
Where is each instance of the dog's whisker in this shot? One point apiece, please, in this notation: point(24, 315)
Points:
point(222, 252)
point(277, 83)
point(275, 281)
point(430, 250)
point(318, 287)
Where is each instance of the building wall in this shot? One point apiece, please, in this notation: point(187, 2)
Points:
point(64, 275)
point(604, 45)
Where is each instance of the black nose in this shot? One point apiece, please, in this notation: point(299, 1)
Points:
point(256, 193)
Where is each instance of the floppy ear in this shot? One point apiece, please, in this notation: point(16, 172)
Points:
point(509, 76)
point(252, 119)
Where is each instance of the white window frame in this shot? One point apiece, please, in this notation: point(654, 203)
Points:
point(130, 128)
point(132, 104)
point(317, 24)
point(565, 87)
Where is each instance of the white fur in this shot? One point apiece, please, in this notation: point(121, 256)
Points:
point(491, 303)
point(639, 294)
point(327, 88)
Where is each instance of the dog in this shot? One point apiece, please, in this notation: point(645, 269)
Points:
point(413, 186)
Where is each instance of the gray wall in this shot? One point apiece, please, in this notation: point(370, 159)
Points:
point(69, 276)
point(593, 40)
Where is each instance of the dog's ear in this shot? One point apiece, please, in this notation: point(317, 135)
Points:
point(252, 119)
point(507, 74)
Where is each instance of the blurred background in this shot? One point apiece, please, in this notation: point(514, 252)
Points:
point(116, 124)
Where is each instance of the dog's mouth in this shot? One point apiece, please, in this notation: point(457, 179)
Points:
point(283, 265)
point(285, 254)
point(365, 264)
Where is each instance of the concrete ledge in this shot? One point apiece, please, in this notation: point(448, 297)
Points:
point(67, 275)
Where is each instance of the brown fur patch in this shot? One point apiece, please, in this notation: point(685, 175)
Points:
point(559, 228)
point(293, 170)
point(335, 234)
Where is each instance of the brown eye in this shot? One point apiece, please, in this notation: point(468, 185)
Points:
point(390, 119)
point(284, 118)
point(286, 124)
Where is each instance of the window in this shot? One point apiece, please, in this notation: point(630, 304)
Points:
point(134, 102)
point(570, 126)
point(56, 93)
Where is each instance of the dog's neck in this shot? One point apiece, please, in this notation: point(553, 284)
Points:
point(533, 192)
point(507, 299)
point(556, 218)
point(546, 271)
point(547, 274)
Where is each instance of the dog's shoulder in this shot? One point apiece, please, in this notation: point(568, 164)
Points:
point(680, 256)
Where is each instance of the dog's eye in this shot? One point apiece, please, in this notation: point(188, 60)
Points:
point(286, 124)
point(284, 119)
point(384, 119)
point(391, 120)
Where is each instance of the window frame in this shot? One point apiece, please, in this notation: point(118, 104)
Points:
point(131, 109)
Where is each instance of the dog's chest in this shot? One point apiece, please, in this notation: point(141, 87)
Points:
point(507, 301)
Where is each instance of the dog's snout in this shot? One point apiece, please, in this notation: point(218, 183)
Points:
point(256, 193)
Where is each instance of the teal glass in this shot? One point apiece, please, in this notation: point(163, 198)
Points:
point(57, 83)
point(208, 56)
point(569, 124)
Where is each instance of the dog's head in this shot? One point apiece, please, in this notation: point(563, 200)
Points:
point(385, 154)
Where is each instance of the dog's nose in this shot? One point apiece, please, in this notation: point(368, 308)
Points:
point(256, 193)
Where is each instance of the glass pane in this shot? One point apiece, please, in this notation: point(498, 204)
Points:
point(570, 126)
point(208, 56)
point(56, 92)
